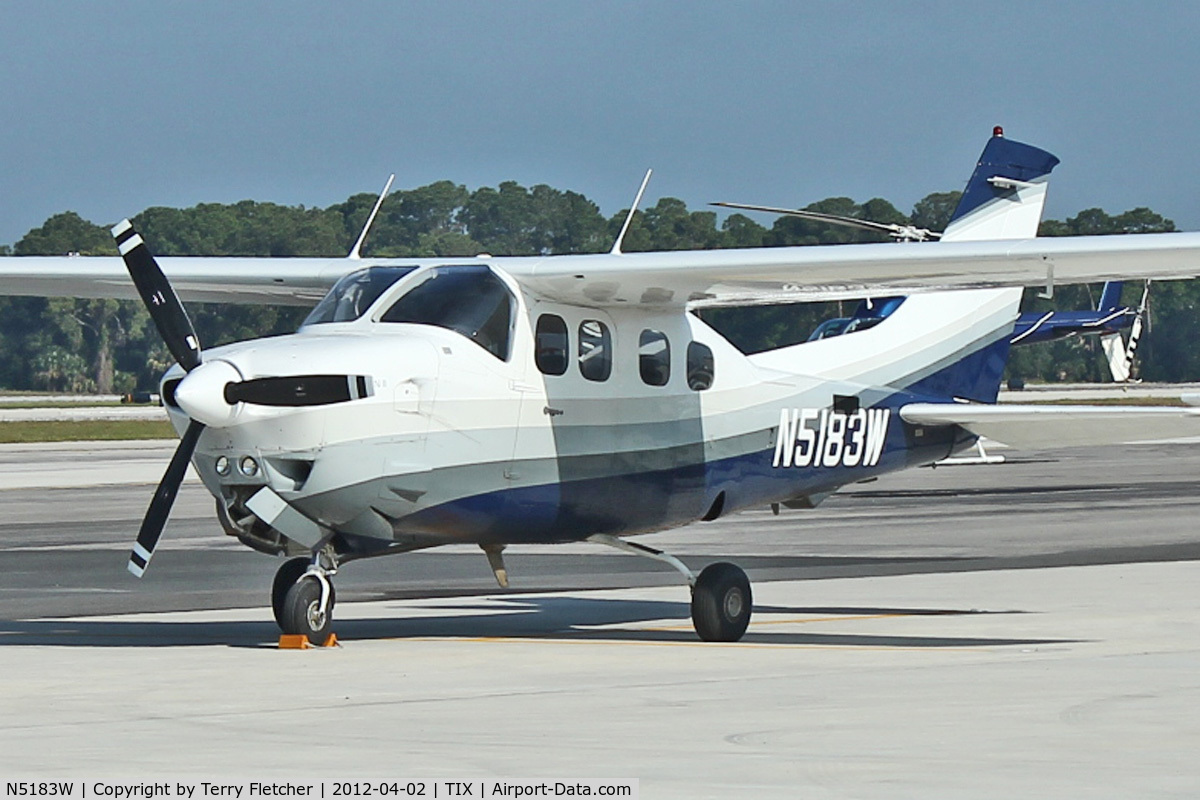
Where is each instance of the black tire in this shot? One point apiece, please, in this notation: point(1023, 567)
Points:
point(287, 575)
point(721, 603)
point(301, 614)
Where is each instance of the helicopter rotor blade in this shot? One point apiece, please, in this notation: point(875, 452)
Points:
point(902, 232)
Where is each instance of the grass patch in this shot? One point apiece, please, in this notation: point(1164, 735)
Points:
point(85, 430)
point(71, 404)
point(1101, 401)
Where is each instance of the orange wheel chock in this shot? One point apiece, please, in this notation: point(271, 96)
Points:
point(298, 641)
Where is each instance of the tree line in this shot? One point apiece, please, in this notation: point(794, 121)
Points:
point(75, 345)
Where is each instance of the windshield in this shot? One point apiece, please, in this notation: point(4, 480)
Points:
point(353, 294)
point(468, 299)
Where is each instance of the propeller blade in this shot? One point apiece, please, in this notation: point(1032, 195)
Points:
point(164, 497)
point(300, 390)
point(158, 296)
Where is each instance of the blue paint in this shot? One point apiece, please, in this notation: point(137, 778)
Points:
point(975, 377)
point(647, 501)
point(1110, 297)
point(1069, 323)
point(638, 502)
point(1007, 159)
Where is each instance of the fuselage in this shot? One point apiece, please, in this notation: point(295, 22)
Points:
point(574, 421)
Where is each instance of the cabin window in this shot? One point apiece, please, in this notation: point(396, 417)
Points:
point(353, 294)
point(467, 299)
point(552, 345)
point(700, 366)
point(595, 350)
point(654, 358)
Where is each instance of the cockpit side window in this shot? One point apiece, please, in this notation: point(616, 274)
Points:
point(468, 299)
point(595, 350)
point(353, 294)
point(700, 366)
point(654, 357)
point(550, 353)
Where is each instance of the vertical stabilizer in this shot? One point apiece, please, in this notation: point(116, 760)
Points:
point(1006, 193)
point(1110, 297)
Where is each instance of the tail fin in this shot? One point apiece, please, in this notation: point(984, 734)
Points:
point(1110, 297)
point(1005, 195)
point(1003, 200)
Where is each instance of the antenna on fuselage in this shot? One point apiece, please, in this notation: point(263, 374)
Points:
point(354, 251)
point(616, 248)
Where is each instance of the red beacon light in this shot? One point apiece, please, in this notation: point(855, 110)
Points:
point(997, 131)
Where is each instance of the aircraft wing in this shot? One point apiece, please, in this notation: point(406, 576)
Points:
point(796, 274)
point(663, 279)
point(1039, 427)
point(275, 281)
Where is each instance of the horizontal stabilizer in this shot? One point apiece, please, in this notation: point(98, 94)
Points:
point(1046, 427)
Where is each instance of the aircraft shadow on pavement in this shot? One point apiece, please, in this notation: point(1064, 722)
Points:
point(520, 618)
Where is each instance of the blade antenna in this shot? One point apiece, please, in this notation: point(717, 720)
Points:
point(616, 248)
point(354, 251)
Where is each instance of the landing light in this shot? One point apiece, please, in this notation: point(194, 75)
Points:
point(222, 466)
point(248, 466)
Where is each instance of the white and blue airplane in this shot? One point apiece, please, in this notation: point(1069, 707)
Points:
point(512, 400)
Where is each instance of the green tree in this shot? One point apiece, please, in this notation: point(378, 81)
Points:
point(57, 369)
point(796, 231)
point(933, 211)
point(245, 228)
point(64, 234)
point(430, 212)
point(108, 323)
point(668, 225)
point(741, 231)
point(501, 219)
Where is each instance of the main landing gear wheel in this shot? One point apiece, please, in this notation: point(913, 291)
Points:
point(285, 578)
point(302, 614)
point(721, 603)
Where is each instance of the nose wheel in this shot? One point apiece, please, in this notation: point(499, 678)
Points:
point(302, 598)
point(285, 579)
point(304, 613)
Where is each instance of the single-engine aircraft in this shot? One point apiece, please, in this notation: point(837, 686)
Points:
point(512, 400)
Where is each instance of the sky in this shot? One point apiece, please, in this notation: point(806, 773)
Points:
point(113, 107)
